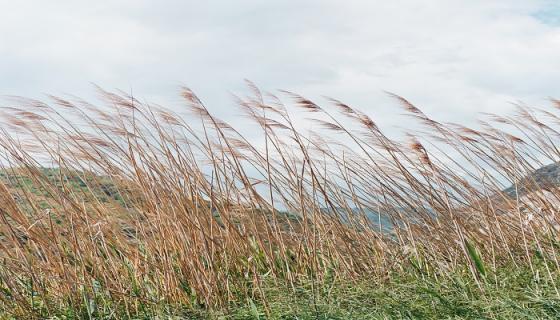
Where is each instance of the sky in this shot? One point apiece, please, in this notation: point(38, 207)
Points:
point(453, 59)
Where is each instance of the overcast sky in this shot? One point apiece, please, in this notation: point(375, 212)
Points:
point(451, 58)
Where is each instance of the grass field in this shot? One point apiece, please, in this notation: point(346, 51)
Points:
point(128, 210)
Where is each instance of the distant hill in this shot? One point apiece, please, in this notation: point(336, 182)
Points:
point(546, 177)
point(23, 188)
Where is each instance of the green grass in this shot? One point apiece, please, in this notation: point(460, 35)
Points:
point(509, 293)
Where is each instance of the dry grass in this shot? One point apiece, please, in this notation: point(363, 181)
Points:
point(205, 216)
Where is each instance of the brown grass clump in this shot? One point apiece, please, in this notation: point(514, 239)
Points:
point(200, 214)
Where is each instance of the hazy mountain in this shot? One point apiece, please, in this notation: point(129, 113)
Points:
point(543, 178)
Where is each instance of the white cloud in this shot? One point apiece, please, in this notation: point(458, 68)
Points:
point(452, 58)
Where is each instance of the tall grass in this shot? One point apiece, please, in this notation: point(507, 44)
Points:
point(204, 217)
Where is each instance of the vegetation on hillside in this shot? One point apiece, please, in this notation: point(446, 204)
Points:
point(146, 212)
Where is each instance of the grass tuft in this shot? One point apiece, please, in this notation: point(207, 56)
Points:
point(126, 210)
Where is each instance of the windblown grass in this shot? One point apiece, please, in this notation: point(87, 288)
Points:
point(149, 210)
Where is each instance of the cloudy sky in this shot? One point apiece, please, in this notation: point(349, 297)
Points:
point(452, 58)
